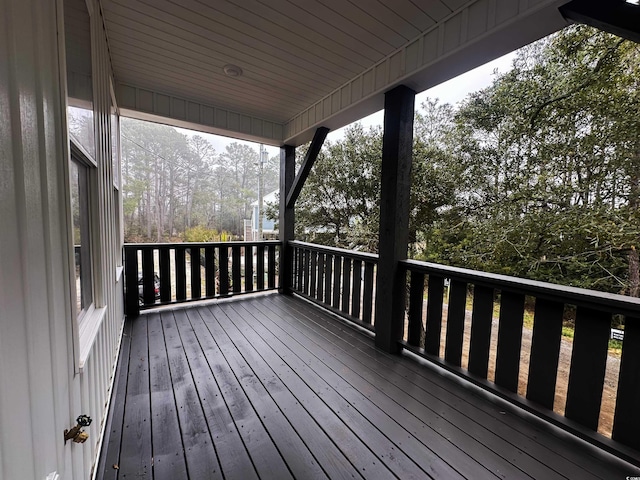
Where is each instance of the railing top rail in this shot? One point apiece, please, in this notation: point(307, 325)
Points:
point(200, 244)
point(580, 296)
point(367, 257)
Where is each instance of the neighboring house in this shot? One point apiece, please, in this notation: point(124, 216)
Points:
point(269, 231)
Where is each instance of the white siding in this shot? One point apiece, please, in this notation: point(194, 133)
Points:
point(36, 353)
point(98, 364)
point(42, 390)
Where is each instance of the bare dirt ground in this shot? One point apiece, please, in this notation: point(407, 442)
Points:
point(611, 376)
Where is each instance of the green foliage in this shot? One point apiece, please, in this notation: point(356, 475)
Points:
point(201, 234)
point(549, 159)
point(535, 176)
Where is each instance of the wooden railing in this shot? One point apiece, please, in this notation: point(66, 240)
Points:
point(164, 273)
point(550, 303)
point(452, 315)
point(341, 280)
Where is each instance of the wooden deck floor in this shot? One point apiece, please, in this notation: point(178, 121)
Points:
point(271, 387)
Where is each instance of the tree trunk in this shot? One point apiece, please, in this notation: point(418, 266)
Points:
point(634, 273)
point(634, 261)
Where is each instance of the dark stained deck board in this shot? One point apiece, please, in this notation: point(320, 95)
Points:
point(320, 445)
point(135, 450)
point(356, 451)
point(294, 452)
point(345, 404)
point(199, 451)
point(436, 409)
point(111, 455)
point(257, 441)
point(341, 393)
point(269, 386)
point(556, 449)
point(234, 459)
point(167, 448)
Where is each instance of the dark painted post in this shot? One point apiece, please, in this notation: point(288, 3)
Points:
point(131, 279)
point(287, 215)
point(397, 149)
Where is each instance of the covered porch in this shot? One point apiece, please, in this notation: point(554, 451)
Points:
point(222, 376)
point(360, 365)
point(271, 386)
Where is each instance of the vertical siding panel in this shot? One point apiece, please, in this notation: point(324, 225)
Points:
point(34, 390)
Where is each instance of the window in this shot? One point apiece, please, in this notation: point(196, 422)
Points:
point(81, 128)
point(79, 172)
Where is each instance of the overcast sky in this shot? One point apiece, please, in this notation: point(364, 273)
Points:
point(451, 91)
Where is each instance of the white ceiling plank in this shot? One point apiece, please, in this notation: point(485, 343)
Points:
point(261, 18)
point(328, 16)
point(306, 62)
point(175, 26)
point(122, 29)
point(254, 94)
point(418, 17)
point(296, 15)
point(207, 19)
point(454, 5)
point(362, 15)
point(436, 9)
point(198, 63)
point(392, 16)
point(165, 81)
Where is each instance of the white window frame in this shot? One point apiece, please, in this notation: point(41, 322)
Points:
point(88, 321)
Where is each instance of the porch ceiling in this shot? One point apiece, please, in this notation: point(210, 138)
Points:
point(305, 63)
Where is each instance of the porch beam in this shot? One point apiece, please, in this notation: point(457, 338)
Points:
point(287, 215)
point(305, 169)
point(397, 150)
point(619, 17)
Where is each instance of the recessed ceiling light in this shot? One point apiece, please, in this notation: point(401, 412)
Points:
point(634, 2)
point(232, 70)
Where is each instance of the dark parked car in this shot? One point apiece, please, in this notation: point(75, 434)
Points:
point(156, 287)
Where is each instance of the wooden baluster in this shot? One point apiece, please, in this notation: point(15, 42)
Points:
point(148, 276)
point(210, 270)
point(223, 265)
point(588, 365)
point(357, 281)
point(346, 285)
point(626, 423)
point(196, 280)
point(416, 301)
point(455, 322)
point(165, 274)
point(305, 272)
point(328, 279)
point(509, 340)
point(181, 274)
point(320, 286)
point(299, 270)
point(248, 269)
point(337, 276)
point(236, 273)
point(481, 330)
point(271, 266)
point(545, 352)
point(131, 279)
point(260, 267)
point(367, 294)
point(433, 329)
point(314, 274)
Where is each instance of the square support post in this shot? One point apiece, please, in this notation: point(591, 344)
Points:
point(397, 150)
point(287, 216)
